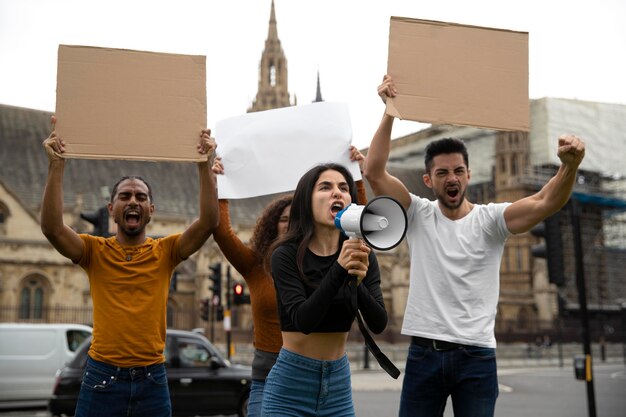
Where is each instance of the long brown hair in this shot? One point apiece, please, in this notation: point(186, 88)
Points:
point(266, 230)
point(301, 223)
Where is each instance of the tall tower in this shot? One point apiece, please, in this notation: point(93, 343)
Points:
point(318, 92)
point(273, 90)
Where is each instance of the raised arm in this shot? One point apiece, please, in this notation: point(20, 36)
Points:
point(238, 254)
point(62, 237)
point(356, 155)
point(199, 231)
point(375, 172)
point(523, 214)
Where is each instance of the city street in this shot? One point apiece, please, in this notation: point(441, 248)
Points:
point(524, 392)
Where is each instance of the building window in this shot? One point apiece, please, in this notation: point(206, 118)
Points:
point(521, 267)
point(273, 76)
point(32, 298)
point(169, 314)
point(514, 165)
point(4, 215)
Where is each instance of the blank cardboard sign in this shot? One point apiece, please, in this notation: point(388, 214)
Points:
point(448, 73)
point(124, 104)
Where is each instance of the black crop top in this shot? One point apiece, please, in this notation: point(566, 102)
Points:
point(326, 306)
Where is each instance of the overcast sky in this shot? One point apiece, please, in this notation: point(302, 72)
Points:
point(577, 48)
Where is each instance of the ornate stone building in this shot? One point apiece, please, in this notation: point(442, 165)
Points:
point(273, 91)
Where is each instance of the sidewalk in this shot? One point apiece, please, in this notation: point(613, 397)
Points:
point(376, 379)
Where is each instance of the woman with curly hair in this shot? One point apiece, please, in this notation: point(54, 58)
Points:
point(249, 261)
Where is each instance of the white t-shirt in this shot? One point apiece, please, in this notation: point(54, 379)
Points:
point(454, 273)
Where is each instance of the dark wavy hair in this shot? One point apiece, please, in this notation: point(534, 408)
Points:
point(301, 221)
point(444, 146)
point(266, 229)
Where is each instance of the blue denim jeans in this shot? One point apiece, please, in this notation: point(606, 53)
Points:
point(256, 397)
point(467, 374)
point(108, 391)
point(299, 386)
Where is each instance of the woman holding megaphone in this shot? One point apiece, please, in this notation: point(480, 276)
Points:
point(248, 260)
point(315, 267)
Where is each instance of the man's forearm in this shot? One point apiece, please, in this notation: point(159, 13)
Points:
point(378, 153)
point(52, 201)
point(558, 190)
point(209, 206)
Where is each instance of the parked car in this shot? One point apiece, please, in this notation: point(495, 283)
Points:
point(30, 356)
point(200, 380)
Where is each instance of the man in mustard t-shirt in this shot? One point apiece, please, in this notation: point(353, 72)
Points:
point(129, 276)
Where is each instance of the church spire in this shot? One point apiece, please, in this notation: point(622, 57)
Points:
point(273, 90)
point(318, 93)
point(273, 30)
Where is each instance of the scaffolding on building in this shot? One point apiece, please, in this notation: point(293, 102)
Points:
point(602, 202)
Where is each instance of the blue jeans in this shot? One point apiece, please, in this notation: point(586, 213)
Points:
point(256, 397)
point(299, 386)
point(468, 374)
point(108, 391)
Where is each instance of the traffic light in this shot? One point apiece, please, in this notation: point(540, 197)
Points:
point(219, 313)
point(238, 295)
point(204, 309)
point(99, 219)
point(216, 282)
point(551, 249)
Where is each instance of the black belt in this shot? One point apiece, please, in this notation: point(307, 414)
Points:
point(438, 345)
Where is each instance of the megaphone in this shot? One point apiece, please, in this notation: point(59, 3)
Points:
point(381, 222)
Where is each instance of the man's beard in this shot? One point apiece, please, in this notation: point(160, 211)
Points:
point(133, 232)
point(441, 198)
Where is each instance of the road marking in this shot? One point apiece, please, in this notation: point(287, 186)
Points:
point(504, 388)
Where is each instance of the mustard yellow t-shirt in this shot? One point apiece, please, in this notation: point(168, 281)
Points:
point(129, 290)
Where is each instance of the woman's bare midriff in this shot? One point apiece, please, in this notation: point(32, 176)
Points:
point(320, 346)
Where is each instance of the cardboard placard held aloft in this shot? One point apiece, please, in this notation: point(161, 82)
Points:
point(125, 104)
point(448, 73)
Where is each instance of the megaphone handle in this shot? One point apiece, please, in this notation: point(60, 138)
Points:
point(354, 278)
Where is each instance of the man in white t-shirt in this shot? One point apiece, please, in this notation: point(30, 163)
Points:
point(455, 248)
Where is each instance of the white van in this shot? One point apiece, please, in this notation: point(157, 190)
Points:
point(31, 354)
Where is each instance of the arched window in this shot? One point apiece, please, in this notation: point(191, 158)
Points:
point(514, 165)
point(4, 215)
point(273, 76)
point(32, 298)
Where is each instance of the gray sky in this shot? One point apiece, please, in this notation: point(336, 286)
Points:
point(577, 48)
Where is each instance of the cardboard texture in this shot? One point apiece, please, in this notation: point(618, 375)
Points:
point(448, 73)
point(124, 104)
